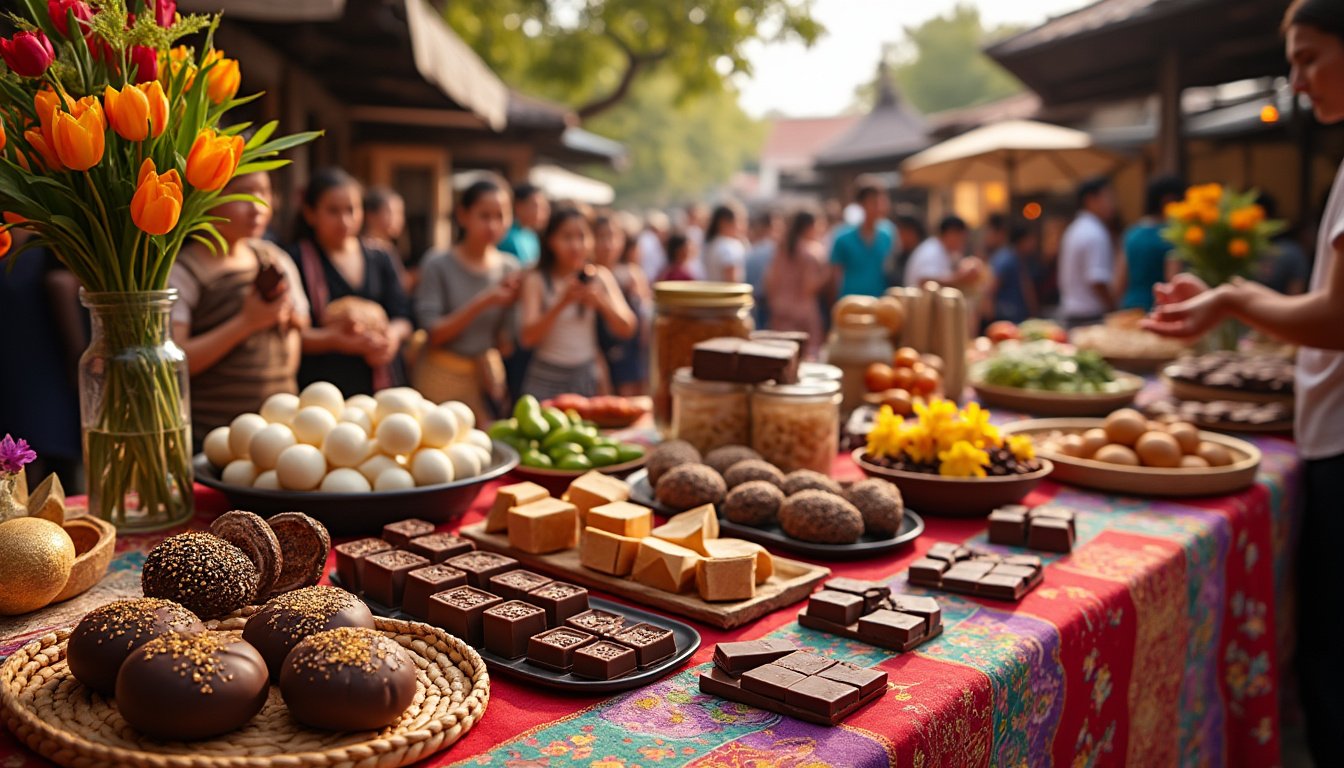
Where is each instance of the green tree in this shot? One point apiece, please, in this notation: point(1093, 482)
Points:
point(940, 65)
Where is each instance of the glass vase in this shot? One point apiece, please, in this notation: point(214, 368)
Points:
point(135, 412)
point(1223, 337)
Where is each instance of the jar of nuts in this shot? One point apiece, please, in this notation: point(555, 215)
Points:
point(710, 414)
point(685, 314)
point(797, 426)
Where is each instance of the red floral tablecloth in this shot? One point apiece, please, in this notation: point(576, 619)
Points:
point(1153, 644)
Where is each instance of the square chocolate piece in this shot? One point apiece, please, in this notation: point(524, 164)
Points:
point(401, 532)
point(461, 611)
point(348, 556)
point(1030, 561)
point(554, 649)
point(1002, 586)
point(384, 575)
point(422, 583)
point(508, 627)
point(821, 696)
point(652, 644)
point(924, 607)
point(771, 680)
point(560, 600)
point(480, 566)
point(836, 607)
point(805, 663)
point(892, 628)
point(872, 592)
point(736, 658)
point(1051, 534)
point(1004, 569)
point(867, 680)
point(597, 622)
point(440, 546)
point(927, 571)
point(948, 552)
point(604, 660)
point(514, 585)
point(1008, 528)
point(965, 575)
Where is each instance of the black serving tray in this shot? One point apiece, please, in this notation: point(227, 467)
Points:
point(684, 635)
point(773, 537)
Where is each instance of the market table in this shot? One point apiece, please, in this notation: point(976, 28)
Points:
point(1153, 643)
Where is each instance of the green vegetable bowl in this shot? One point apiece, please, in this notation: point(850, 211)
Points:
point(555, 447)
point(1040, 402)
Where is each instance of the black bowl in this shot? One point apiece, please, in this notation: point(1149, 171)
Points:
point(356, 514)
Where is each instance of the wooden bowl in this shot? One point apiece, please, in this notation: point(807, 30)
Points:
point(938, 496)
point(95, 544)
point(1189, 390)
point(1040, 402)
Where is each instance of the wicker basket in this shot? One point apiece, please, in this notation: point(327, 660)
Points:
point(60, 719)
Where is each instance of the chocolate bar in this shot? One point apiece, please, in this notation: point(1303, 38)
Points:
point(514, 585)
point(801, 685)
point(481, 566)
point(982, 574)
point(896, 622)
point(1046, 528)
point(652, 644)
point(745, 362)
point(554, 649)
point(560, 600)
point(348, 556)
point(604, 660)
point(400, 533)
point(736, 658)
point(422, 583)
point(597, 622)
point(461, 611)
point(872, 592)
point(383, 575)
point(438, 547)
point(508, 627)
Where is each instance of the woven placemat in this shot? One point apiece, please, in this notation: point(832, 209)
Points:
point(60, 719)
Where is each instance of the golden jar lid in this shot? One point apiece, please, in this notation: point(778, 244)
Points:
point(702, 293)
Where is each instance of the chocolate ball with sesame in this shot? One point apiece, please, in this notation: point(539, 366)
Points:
point(721, 459)
point(753, 469)
point(348, 679)
point(106, 636)
point(669, 454)
point(206, 574)
point(286, 620)
point(755, 503)
point(182, 686)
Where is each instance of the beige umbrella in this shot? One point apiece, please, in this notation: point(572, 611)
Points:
point(1023, 155)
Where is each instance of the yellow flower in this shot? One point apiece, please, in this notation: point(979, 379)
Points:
point(1021, 447)
point(1208, 194)
point(936, 413)
point(78, 134)
point(1245, 219)
point(919, 444)
point(1194, 236)
point(1209, 215)
point(1177, 211)
point(885, 437)
point(963, 460)
point(1238, 248)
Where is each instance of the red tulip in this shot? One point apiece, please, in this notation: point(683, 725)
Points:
point(27, 54)
point(146, 62)
point(164, 11)
point(60, 11)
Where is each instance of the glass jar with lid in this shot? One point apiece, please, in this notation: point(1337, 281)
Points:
point(797, 426)
point(710, 414)
point(685, 314)
point(853, 347)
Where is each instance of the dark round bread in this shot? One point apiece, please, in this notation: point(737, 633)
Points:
point(808, 480)
point(880, 503)
point(205, 574)
point(304, 544)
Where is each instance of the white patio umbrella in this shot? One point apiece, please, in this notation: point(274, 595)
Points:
point(1024, 155)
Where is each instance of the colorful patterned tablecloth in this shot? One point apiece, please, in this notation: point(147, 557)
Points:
point(1154, 643)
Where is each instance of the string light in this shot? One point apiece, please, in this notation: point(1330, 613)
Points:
point(1269, 114)
point(1031, 211)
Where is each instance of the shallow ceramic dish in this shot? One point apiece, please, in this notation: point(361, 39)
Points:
point(940, 496)
point(95, 543)
point(353, 514)
point(1040, 402)
point(557, 480)
point(1188, 390)
point(1145, 481)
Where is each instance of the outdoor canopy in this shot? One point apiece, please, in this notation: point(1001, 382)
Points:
point(1024, 155)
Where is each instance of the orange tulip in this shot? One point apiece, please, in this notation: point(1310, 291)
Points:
point(46, 102)
point(1194, 236)
point(46, 153)
point(1239, 248)
point(213, 159)
point(222, 79)
point(157, 203)
point(78, 134)
point(6, 241)
point(127, 112)
point(4, 139)
point(174, 61)
point(12, 218)
point(158, 107)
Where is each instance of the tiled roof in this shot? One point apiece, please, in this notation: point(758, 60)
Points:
point(794, 142)
point(890, 133)
point(1088, 19)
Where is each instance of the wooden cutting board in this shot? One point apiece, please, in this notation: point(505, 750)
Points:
point(792, 582)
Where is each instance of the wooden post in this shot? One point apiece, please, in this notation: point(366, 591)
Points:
point(1170, 120)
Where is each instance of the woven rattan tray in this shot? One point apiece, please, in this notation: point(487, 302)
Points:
point(57, 717)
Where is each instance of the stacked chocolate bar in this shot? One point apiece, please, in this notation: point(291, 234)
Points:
point(744, 361)
point(775, 676)
point(954, 568)
point(867, 611)
point(1050, 529)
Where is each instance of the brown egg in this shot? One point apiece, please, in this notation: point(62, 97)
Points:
point(1093, 440)
point(1156, 426)
point(1117, 454)
point(890, 313)
point(1193, 462)
point(1158, 449)
point(1215, 454)
point(1072, 445)
point(36, 557)
point(1125, 426)
point(1187, 435)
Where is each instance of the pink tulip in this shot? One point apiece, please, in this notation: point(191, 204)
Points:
point(27, 54)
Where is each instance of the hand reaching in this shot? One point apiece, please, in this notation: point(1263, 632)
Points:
point(259, 314)
point(1186, 308)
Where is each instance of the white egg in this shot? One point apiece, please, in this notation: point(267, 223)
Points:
point(394, 479)
point(376, 465)
point(312, 425)
point(239, 472)
point(482, 455)
point(346, 445)
point(241, 430)
point(345, 480)
point(362, 402)
point(430, 466)
point(466, 419)
point(217, 448)
point(440, 427)
point(477, 437)
point(466, 462)
point(322, 394)
point(280, 408)
point(267, 444)
point(392, 401)
point(355, 415)
point(300, 467)
point(267, 481)
point(398, 433)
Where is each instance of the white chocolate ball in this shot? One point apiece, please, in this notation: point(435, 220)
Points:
point(430, 466)
point(358, 416)
point(267, 444)
point(241, 430)
point(477, 437)
point(346, 445)
point(466, 419)
point(394, 479)
point(482, 455)
point(440, 427)
point(217, 448)
point(267, 481)
point(466, 462)
point(312, 425)
point(376, 465)
point(398, 400)
point(300, 467)
point(398, 433)
point(280, 408)
point(239, 472)
point(345, 480)
point(322, 394)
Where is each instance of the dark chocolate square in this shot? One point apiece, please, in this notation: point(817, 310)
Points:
point(652, 644)
point(1007, 528)
point(947, 552)
point(480, 566)
point(348, 556)
point(440, 546)
point(560, 600)
point(604, 660)
point(597, 622)
point(736, 658)
point(965, 575)
point(924, 607)
point(1002, 586)
point(770, 680)
point(892, 628)
point(872, 592)
point(383, 575)
point(836, 607)
point(821, 696)
point(867, 680)
point(422, 583)
point(1031, 561)
point(927, 570)
point(507, 627)
point(514, 585)
point(461, 612)
point(554, 649)
point(1050, 534)
point(1004, 569)
point(401, 532)
point(804, 663)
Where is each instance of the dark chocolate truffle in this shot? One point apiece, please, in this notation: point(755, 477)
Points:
point(209, 576)
point(755, 503)
point(305, 544)
point(690, 485)
point(106, 636)
point(821, 517)
point(668, 455)
point(348, 679)
point(722, 458)
point(180, 687)
point(289, 618)
point(880, 504)
point(248, 532)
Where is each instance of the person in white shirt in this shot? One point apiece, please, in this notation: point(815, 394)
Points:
point(652, 254)
point(1087, 258)
point(939, 258)
point(725, 255)
point(1314, 321)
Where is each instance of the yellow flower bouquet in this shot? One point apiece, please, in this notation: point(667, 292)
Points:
point(113, 151)
point(1219, 233)
point(949, 442)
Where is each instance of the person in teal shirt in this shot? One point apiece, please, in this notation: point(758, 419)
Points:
point(859, 255)
point(530, 211)
point(1146, 251)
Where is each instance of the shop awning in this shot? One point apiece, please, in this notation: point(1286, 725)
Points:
point(1024, 155)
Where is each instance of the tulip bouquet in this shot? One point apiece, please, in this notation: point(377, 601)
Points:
point(1219, 233)
point(113, 152)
